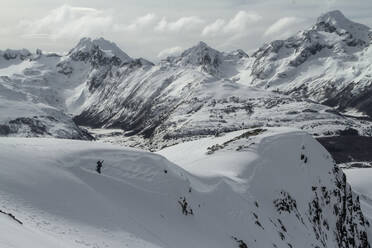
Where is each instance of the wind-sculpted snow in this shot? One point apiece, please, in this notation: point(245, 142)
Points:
point(245, 192)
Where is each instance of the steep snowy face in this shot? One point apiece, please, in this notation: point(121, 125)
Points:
point(328, 62)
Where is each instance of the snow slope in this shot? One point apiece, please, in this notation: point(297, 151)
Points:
point(242, 191)
point(19, 236)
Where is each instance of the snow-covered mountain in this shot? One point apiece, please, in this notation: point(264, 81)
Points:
point(197, 93)
point(37, 90)
point(201, 92)
point(30, 100)
point(98, 52)
point(329, 62)
point(239, 188)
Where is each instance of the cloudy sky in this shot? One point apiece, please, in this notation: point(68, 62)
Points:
point(157, 28)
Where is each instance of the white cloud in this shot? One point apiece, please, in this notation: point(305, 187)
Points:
point(183, 23)
point(139, 23)
point(238, 24)
point(68, 21)
point(172, 51)
point(282, 26)
point(241, 21)
point(214, 27)
point(228, 24)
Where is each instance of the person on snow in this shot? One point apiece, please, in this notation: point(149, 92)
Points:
point(99, 166)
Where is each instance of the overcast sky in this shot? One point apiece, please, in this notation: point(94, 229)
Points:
point(156, 28)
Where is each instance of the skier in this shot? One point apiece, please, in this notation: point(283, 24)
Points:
point(99, 166)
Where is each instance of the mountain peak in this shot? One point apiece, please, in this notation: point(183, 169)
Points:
point(87, 44)
point(202, 44)
point(335, 21)
point(333, 17)
point(199, 48)
point(201, 54)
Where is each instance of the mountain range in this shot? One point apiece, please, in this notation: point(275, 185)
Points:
point(308, 81)
point(233, 164)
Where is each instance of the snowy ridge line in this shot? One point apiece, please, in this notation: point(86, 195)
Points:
point(11, 216)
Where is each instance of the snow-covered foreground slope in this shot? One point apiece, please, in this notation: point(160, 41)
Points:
point(14, 235)
point(262, 188)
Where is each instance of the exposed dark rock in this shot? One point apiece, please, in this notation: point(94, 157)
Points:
point(241, 243)
point(348, 148)
point(4, 130)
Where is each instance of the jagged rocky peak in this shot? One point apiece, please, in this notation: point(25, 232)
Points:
point(201, 55)
point(335, 21)
point(88, 48)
